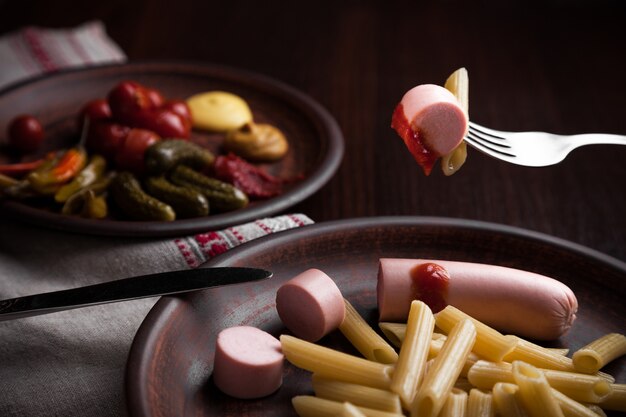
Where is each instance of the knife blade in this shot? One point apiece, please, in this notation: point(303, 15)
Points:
point(144, 286)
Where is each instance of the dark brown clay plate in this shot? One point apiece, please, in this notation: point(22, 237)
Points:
point(170, 363)
point(316, 142)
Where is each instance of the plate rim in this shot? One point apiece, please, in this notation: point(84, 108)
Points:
point(137, 362)
point(333, 150)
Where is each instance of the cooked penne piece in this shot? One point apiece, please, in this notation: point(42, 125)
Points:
point(359, 395)
point(457, 84)
point(507, 401)
point(437, 344)
point(616, 400)
point(333, 364)
point(394, 332)
point(596, 409)
point(598, 353)
point(455, 405)
point(309, 406)
point(446, 369)
point(570, 407)
point(610, 378)
point(364, 338)
point(580, 387)
point(413, 353)
point(559, 351)
point(490, 344)
point(349, 410)
point(538, 356)
point(480, 404)
point(535, 391)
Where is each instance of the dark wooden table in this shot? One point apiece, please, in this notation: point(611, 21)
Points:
point(557, 67)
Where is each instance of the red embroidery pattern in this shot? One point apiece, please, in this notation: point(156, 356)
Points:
point(201, 247)
point(187, 253)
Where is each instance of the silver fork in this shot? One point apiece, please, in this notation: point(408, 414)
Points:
point(533, 149)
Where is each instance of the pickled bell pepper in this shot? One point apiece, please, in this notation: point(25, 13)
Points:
point(91, 173)
point(87, 202)
point(68, 166)
point(15, 170)
point(6, 182)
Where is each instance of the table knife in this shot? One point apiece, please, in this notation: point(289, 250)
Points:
point(152, 285)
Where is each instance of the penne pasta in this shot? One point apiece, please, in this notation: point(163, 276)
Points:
point(581, 387)
point(490, 344)
point(413, 353)
point(394, 332)
point(457, 84)
point(559, 351)
point(359, 395)
point(455, 405)
point(538, 356)
point(596, 409)
point(309, 406)
point(570, 407)
point(535, 391)
point(446, 369)
point(616, 400)
point(364, 338)
point(598, 353)
point(507, 401)
point(333, 364)
point(437, 344)
point(349, 410)
point(480, 404)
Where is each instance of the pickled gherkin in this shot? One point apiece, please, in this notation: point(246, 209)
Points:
point(164, 155)
point(222, 196)
point(135, 202)
point(185, 201)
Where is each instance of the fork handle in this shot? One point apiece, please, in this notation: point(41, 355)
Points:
point(598, 139)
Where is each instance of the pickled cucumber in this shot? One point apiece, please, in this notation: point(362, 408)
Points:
point(222, 196)
point(164, 155)
point(185, 201)
point(135, 202)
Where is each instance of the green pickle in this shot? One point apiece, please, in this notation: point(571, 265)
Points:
point(185, 201)
point(222, 196)
point(165, 155)
point(128, 195)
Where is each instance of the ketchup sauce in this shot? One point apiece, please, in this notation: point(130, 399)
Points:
point(429, 283)
point(424, 157)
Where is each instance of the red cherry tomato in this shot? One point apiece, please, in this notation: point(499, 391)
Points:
point(25, 133)
point(179, 107)
point(131, 154)
point(129, 98)
point(94, 110)
point(106, 137)
point(163, 122)
point(154, 96)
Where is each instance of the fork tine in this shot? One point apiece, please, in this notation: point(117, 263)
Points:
point(489, 150)
point(478, 129)
point(501, 142)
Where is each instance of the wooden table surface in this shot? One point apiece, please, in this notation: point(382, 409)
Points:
point(556, 67)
